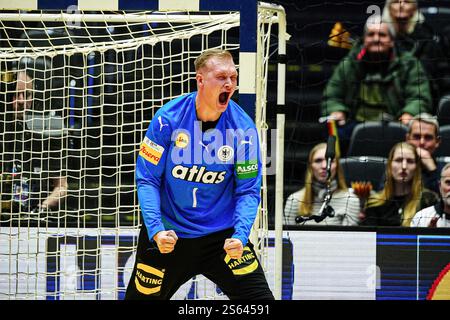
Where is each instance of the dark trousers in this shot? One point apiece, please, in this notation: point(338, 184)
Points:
point(158, 276)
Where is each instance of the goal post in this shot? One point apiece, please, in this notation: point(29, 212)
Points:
point(94, 74)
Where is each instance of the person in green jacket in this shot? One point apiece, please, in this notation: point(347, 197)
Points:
point(375, 82)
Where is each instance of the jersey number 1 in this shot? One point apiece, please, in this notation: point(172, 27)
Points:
point(194, 198)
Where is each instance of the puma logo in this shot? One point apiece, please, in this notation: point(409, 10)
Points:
point(203, 145)
point(161, 124)
point(249, 141)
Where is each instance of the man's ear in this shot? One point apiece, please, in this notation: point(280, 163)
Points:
point(199, 78)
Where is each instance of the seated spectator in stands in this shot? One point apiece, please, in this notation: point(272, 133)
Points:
point(412, 34)
point(423, 133)
point(375, 82)
point(308, 200)
point(439, 214)
point(403, 194)
point(33, 161)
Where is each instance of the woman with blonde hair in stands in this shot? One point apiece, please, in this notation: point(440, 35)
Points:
point(403, 194)
point(308, 200)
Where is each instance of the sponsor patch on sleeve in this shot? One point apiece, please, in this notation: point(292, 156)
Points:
point(151, 151)
point(247, 169)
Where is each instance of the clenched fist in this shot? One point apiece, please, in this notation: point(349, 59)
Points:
point(234, 248)
point(166, 241)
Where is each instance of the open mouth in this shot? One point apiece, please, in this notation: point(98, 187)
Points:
point(223, 97)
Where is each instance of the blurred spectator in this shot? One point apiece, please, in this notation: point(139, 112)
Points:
point(402, 195)
point(23, 95)
point(32, 160)
point(412, 34)
point(375, 82)
point(439, 214)
point(423, 133)
point(308, 200)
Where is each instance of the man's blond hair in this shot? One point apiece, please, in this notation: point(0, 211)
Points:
point(427, 118)
point(203, 59)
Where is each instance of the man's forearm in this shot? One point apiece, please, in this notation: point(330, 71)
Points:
point(53, 199)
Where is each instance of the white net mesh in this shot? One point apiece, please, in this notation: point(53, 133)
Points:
point(76, 96)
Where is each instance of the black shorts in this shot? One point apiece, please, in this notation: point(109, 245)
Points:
point(158, 276)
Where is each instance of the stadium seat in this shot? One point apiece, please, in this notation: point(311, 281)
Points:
point(444, 147)
point(442, 161)
point(443, 113)
point(364, 169)
point(375, 138)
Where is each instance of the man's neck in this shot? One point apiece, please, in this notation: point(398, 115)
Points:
point(204, 113)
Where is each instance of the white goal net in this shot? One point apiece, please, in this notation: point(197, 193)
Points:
point(77, 92)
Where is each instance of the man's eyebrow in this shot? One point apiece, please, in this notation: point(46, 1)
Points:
point(225, 72)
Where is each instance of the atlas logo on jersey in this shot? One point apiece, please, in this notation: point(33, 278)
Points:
point(198, 174)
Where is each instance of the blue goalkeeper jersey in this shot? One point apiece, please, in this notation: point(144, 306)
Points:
point(195, 182)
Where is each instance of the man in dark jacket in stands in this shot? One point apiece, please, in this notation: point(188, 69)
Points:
point(375, 82)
